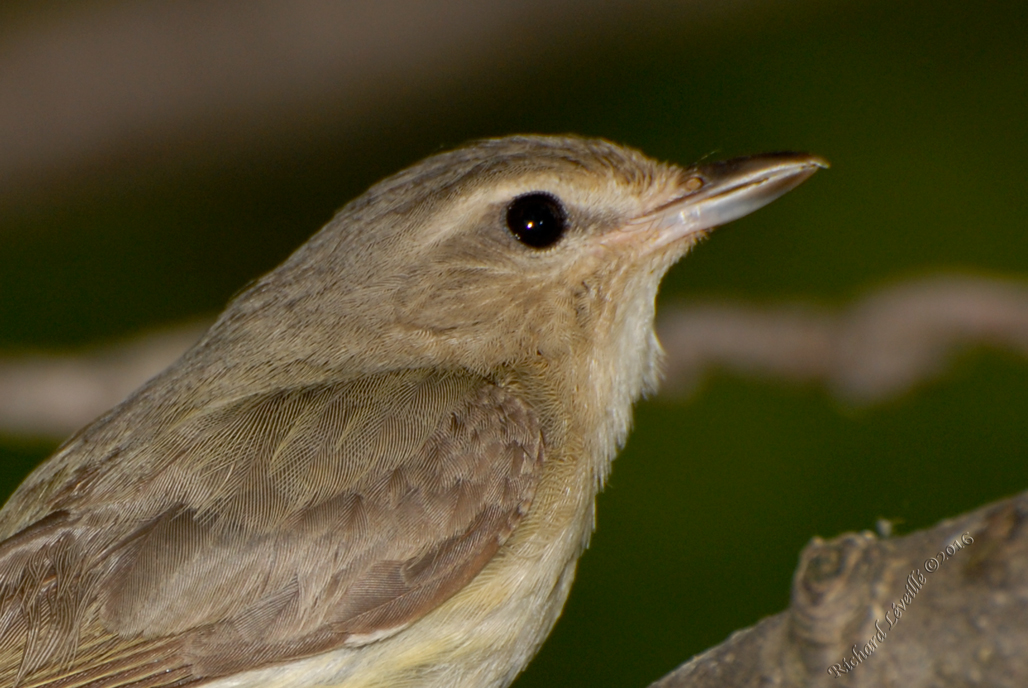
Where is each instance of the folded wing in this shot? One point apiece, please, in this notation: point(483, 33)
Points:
point(268, 529)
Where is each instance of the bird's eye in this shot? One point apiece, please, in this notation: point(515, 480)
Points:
point(537, 219)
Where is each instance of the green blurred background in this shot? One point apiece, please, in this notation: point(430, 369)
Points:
point(922, 108)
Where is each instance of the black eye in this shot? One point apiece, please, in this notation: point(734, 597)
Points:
point(536, 219)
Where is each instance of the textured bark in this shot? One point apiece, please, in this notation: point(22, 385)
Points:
point(902, 611)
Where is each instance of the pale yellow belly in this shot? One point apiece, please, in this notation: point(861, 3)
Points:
point(484, 635)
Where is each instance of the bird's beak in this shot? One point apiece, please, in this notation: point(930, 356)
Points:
point(712, 195)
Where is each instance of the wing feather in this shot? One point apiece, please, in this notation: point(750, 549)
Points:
point(268, 529)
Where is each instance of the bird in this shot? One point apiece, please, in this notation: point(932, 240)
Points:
point(379, 466)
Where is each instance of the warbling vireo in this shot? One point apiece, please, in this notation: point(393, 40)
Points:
point(379, 466)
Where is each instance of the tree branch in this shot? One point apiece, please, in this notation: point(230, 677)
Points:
point(946, 606)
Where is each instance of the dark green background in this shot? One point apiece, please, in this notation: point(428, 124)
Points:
point(922, 108)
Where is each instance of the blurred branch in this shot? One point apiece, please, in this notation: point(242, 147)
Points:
point(101, 86)
point(54, 395)
point(947, 606)
point(876, 349)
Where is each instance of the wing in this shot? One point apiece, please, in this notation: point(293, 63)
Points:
point(269, 529)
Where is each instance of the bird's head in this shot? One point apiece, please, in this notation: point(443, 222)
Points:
point(504, 252)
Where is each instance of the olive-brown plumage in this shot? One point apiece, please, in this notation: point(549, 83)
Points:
point(379, 465)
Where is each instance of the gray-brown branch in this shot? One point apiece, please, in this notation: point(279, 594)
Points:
point(946, 606)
